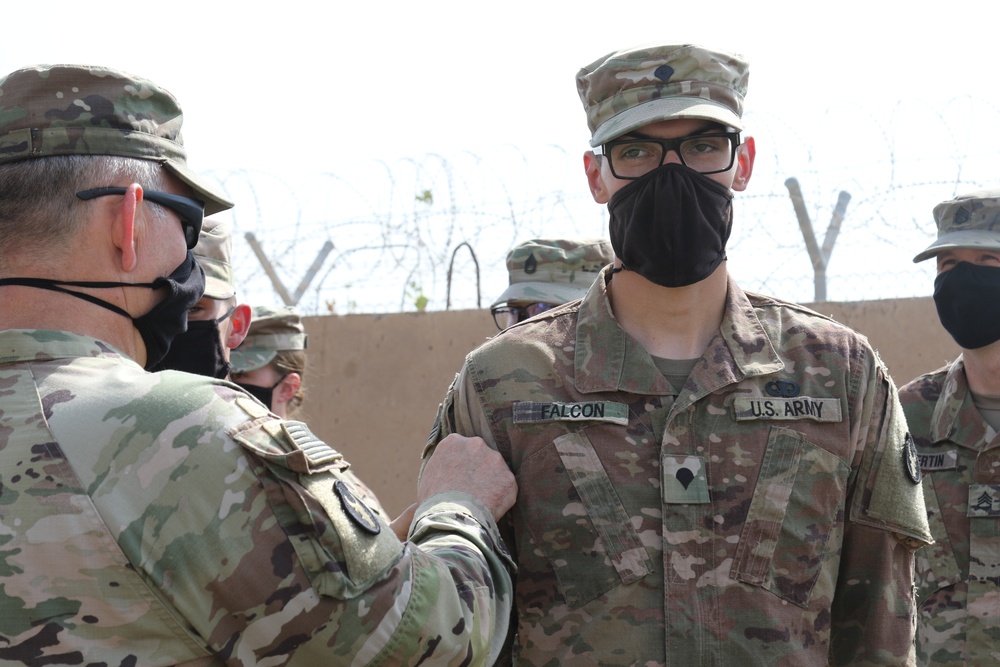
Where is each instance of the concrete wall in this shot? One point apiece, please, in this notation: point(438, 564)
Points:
point(374, 381)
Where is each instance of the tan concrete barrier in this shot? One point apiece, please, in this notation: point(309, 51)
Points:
point(374, 381)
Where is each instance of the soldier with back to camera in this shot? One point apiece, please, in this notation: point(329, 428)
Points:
point(168, 518)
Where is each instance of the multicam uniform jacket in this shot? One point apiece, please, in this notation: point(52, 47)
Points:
point(766, 516)
point(958, 577)
point(169, 519)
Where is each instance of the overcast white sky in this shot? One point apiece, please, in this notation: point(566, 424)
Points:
point(316, 85)
point(301, 87)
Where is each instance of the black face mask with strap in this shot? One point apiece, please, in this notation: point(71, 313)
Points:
point(162, 323)
point(198, 350)
point(967, 298)
point(671, 225)
point(263, 394)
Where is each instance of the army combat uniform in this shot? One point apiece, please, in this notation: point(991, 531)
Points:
point(766, 515)
point(958, 577)
point(104, 559)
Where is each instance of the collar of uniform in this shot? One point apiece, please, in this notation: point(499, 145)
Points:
point(947, 424)
point(748, 341)
point(47, 345)
point(608, 359)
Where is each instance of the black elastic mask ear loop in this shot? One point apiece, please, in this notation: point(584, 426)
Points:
point(162, 323)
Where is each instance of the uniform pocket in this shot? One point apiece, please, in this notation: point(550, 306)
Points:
point(578, 522)
point(797, 503)
point(935, 564)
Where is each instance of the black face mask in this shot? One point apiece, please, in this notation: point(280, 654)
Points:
point(967, 297)
point(263, 394)
point(162, 323)
point(198, 350)
point(671, 225)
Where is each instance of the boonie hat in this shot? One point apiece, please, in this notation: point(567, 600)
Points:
point(272, 330)
point(214, 252)
point(628, 89)
point(554, 270)
point(50, 110)
point(968, 221)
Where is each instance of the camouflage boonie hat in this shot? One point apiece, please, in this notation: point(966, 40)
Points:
point(626, 90)
point(554, 270)
point(968, 221)
point(50, 110)
point(214, 253)
point(272, 330)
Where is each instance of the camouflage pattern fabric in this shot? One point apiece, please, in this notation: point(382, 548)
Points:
point(958, 577)
point(272, 329)
point(169, 519)
point(628, 89)
point(50, 110)
point(762, 516)
point(214, 253)
point(554, 270)
point(968, 221)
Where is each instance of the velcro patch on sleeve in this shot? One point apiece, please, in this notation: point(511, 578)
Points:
point(536, 412)
point(366, 545)
point(290, 444)
point(320, 454)
point(800, 407)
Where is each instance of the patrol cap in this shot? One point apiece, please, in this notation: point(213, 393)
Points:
point(968, 221)
point(272, 330)
point(214, 252)
point(554, 270)
point(49, 110)
point(628, 89)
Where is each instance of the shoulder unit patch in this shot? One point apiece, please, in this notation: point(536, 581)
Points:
point(360, 514)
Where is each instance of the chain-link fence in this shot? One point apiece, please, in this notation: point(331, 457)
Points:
point(399, 231)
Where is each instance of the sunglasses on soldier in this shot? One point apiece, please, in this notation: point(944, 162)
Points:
point(190, 211)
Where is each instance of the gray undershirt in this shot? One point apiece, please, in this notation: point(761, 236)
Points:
point(675, 370)
point(989, 408)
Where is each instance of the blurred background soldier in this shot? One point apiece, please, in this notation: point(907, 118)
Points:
point(270, 365)
point(954, 416)
point(216, 323)
point(169, 518)
point(271, 361)
point(545, 273)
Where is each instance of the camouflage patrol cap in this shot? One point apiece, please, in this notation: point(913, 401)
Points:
point(214, 253)
point(628, 89)
point(50, 110)
point(554, 270)
point(968, 221)
point(272, 330)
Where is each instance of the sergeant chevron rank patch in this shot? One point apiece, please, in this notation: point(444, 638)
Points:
point(984, 500)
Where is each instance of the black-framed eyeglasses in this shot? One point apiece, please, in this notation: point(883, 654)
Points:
point(190, 211)
point(508, 316)
point(708, 153)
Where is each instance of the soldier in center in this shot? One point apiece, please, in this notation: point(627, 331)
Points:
point(706, 476)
